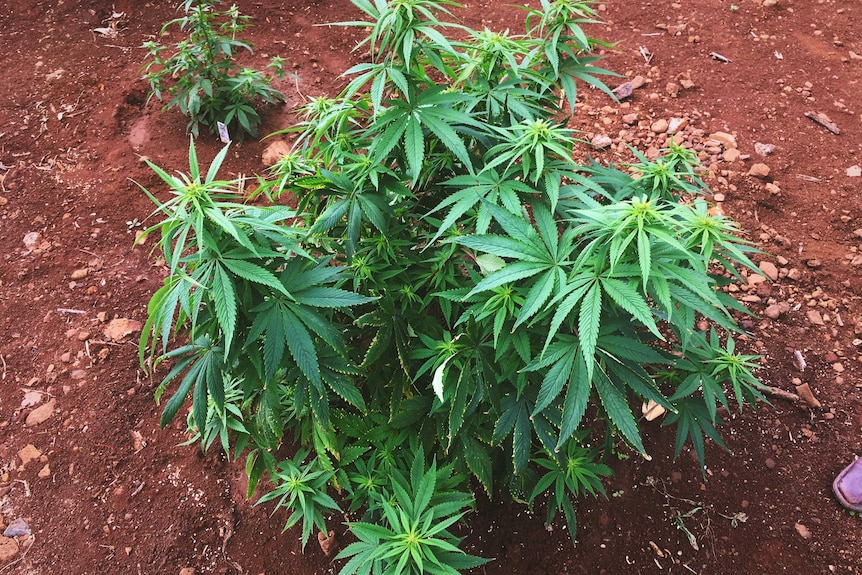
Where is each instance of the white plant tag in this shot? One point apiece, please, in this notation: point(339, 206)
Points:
point(222, 133)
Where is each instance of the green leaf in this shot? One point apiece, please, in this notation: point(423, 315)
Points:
point(253, 273)
point(224, 298)
point(588, 325)
point(301, 347)
point(618, 410)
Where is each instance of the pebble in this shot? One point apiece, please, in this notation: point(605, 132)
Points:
point(773, 189)
point(41, 413)
point(8, 549)
point(187, 571)
point(32, 240)
point(800, 528)
point(18, 528)
point(28, 453)
point(838, 367)
point(724, 139)
point(78, 374)
point(730, 155)
point(854, 172)
point(601, 141)
point(659, 126)
point(770, 463)
point(759, 171)
point(769, 269)
point(80, 273)
point(763, 149)
point(773, 311)
point(814, 317)
point(630, 119)
point(677, 124)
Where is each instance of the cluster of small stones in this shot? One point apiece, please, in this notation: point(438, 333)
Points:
point(612, 129)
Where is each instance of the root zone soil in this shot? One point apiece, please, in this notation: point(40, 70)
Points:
point(104, 490)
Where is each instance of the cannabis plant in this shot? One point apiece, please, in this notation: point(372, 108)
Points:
point(201, 78)
point(452, 284)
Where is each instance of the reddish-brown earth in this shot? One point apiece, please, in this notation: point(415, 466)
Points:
point(110, 492)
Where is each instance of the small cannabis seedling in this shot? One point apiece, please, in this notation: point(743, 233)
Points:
point(201, 77)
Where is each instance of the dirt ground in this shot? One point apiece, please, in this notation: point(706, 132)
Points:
point(104, 490)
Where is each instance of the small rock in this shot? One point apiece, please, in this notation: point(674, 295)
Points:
point(854, 172)
point(814, 317)
point(764, 149)
point(80, 273)
point(78, 374)
point(794, 274)
point(677, 124)
point(41, 413)
point(601, 141)
point(32, 240)
point(3, 200)
point(838, 367)
point(724, 139)
point(672, 89)
point(730, 155)
point(31, 398)
point(28, 453)
point(18, 528)
point(274, 152)
point(44, 472)
point(773, 311)
point(718, 197)
point(769, 269)
point(772, 189)
point(759, 171)
point(83, 335)
point(66, 357)
point(8, 549)
point(659, 126)
point(770, 3)
point(630, 119)
point(800, 528)
point(187, 571)
point(119, 328)
point(770, 463)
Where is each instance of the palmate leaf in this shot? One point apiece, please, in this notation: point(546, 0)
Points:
point(630, 300)
point(614, 402)
point(589, 320)
point(224, 300)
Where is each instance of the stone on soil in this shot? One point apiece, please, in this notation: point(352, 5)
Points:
point(763, 149)
point(32, 240)
point(769, 269)
point(18, 528)
point(800, 528)
point(814, 317)
point(41, 413)
point(8, 549)
point(119, 328)
point(854, 171)
point(601, 141)
point(28, 453)
point(725, 139)
point(659, 126)
point(759, 171)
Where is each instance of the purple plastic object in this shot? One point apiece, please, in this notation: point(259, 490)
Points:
point(848, 486)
